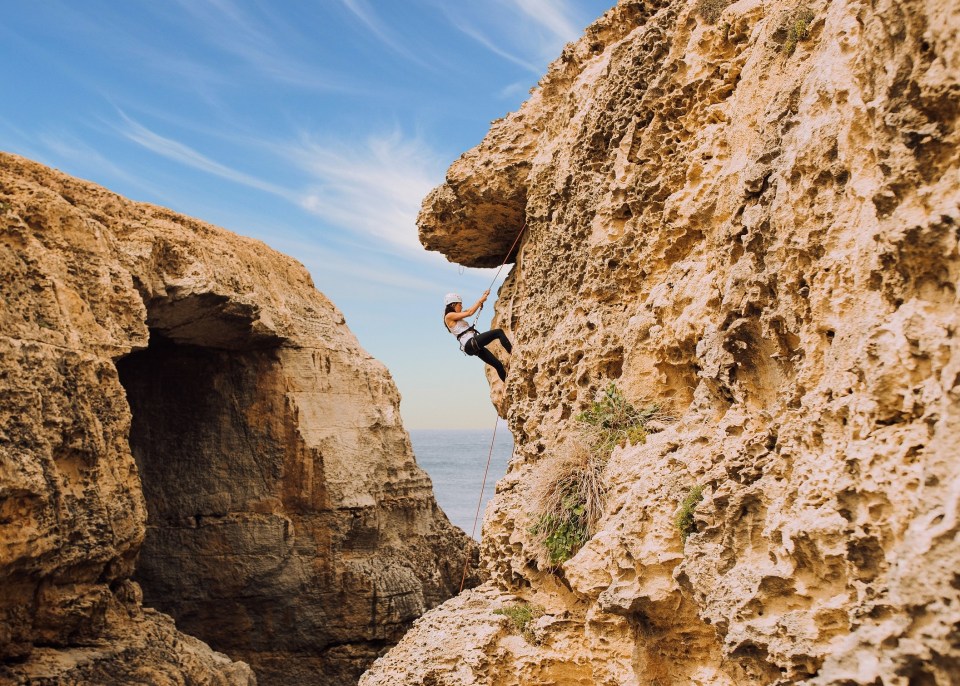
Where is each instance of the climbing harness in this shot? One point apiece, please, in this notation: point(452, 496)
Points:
point(473, 531)
point(463, 345)
point(469, 328)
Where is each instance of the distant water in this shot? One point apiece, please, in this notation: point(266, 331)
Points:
point(455, 459)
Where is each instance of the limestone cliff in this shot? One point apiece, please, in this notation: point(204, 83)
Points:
point(182, 411)
point(747, 213)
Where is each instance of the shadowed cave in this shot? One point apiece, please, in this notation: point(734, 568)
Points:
point(204, 436)
point(238, 550)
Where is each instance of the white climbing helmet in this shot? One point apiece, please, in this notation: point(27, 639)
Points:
point(451, 298)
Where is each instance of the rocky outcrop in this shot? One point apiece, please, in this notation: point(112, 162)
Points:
point(748, 213)
point(264, 492)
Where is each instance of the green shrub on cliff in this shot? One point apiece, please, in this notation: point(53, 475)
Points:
point(563, 535)
point(710, 10)
point(796, 28)
point(613, 421)
point(684, 519)
point(522, 616)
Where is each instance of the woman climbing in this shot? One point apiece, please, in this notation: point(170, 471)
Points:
point(472, 342)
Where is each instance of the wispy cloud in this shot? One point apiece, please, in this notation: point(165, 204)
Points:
point(515, 88)
point(553, 15)
point(374, 188)
point(19, 142)
point(67, 146)
point(362, 11)
point(325, 263)
point(370, 191)
point(489, 44)
point(179, 152)
point(231, 29)
point(526, 32)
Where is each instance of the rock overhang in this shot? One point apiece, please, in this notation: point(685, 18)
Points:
point(474, 217)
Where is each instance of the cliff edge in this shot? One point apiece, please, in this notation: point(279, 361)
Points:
point(742, 224)
point(187, 424)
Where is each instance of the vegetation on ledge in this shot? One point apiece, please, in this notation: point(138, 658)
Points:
point(572, 492)
point(522, 617)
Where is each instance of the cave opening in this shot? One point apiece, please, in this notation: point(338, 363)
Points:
point(210, 436)
point(210, 461)
point(263, 468)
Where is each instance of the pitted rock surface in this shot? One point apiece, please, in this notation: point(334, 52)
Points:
point(763, 238)
point(264, 492)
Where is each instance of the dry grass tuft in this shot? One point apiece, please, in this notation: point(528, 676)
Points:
point(570, 497)
point(710, 10)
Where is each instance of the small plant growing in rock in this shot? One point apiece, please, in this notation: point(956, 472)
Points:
point(571, 493)
point(710, 10)
point(796, 29)
point(613, 421)
point(522, 616)
point(571, 499)
point(684, 520)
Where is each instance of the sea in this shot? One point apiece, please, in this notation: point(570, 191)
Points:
point(455, 460)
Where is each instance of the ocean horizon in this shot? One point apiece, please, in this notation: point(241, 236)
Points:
point(455, 460)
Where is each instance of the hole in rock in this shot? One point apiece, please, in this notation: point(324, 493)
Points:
point(210, 437)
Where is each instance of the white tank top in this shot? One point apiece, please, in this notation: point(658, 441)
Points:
point(459, 328)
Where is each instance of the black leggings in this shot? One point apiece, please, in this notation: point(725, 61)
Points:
point(478, 346)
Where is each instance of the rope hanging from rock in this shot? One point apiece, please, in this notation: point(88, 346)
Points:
point(497, 275)
point(466, 557)
point(486, 470)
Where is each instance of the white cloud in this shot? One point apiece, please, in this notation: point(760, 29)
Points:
point(526, 32)
point(362, 11)
point(553, 15)
point(325, 263)
point(370, 190)
point(489, 44)
point(174, 150)
point(21, 142)
point(228, 26)
point(515, 88)
point(67, 146)
point(374, 188)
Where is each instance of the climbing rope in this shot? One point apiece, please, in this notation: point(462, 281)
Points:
point(497, 275)
point(486, 470)
point(476, 517)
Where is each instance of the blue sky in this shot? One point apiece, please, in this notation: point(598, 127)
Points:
point(315, 126)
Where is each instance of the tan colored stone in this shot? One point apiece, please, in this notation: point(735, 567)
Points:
point(467, 642)
point(768, 244)
point(265, 480)
point(135, 645)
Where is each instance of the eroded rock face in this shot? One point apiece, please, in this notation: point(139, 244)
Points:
point(265, 479)
point(763, 237)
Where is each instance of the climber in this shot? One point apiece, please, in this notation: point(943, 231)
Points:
point(472, 342)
